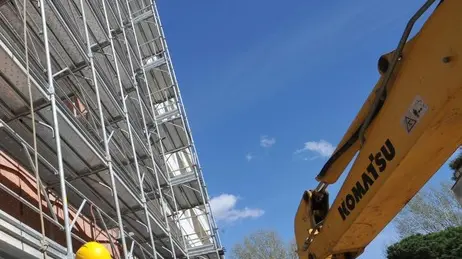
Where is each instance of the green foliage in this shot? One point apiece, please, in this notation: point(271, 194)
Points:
point(445, 244)
point(430, 224)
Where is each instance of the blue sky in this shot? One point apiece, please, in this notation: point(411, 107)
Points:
point(263, 79)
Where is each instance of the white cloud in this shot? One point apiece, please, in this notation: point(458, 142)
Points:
point(267, 142)
point(248, 157)
point(223, 209)
point(322, 148)
point(310, 158)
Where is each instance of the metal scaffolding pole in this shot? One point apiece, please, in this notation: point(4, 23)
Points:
point(51, 91)
point(147, 133)
point(140, 179)
point(105, 137)
point(185, 122)
point(175, 220)
point(163, 154)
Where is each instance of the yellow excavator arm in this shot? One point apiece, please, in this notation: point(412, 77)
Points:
point(406, 130)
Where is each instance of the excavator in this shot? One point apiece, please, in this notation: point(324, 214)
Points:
point(409, 126)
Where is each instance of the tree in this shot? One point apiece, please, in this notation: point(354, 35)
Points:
point(444, 244)
point(263, 244)
point(292, 250)
point(429, 211)
point(432, 210)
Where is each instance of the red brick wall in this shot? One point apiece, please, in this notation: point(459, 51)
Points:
point(17, 179)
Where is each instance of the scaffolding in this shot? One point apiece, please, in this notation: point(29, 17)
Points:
point(90, 108)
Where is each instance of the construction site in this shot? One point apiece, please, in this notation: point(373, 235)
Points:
point(95, 141)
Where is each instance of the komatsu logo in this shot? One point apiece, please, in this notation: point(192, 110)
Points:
point(378, 164)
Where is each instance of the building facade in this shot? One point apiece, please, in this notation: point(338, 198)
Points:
point(93, 126)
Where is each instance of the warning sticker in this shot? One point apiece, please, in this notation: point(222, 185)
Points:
point(410, 123)
point(415, 112)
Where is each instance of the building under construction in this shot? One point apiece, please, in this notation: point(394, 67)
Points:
point(95, 142)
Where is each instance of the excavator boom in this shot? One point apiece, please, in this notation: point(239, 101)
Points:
point(406, 130)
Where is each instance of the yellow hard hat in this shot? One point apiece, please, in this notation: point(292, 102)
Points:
point(93, 250)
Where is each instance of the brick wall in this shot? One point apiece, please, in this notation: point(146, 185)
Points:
point(23, 183)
